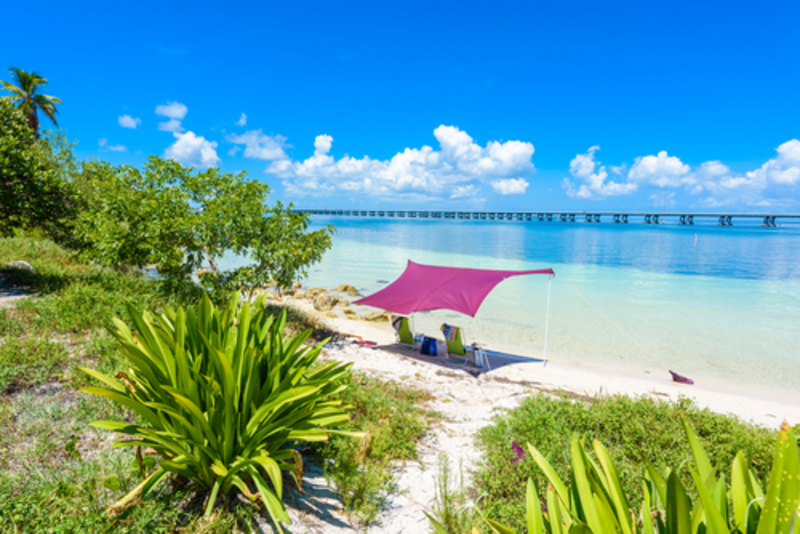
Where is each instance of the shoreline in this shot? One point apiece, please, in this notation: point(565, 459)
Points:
point(764, 408)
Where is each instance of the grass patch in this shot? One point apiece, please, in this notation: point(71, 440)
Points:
point(633, 429)
point(59, 475)
point(393, 420)
point(452, 510)
point(29, 362)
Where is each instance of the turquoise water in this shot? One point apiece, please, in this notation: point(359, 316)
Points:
point(719, 304)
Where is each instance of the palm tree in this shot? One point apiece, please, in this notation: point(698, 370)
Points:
point(25, 97)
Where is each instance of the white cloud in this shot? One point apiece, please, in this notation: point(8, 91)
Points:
point(242, 120)
point(660, 199)
point(103, 142)
point(193, 150)
point(175, 112)
point(457, 170)
point(260, 146)
point(713, 182)
point(463, 191)
point(322, 144)
point(172, 110)
point(582, 167)
point(172, 125)
point(126, 121)
point(510, 186)
point(661, 170)
point(719, 186)
point(784, 169)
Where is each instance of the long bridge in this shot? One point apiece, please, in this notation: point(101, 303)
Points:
point(622, 217)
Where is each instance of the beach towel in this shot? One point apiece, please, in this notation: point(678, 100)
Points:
point(681, 379)
point(397, 322)
point(449, 332)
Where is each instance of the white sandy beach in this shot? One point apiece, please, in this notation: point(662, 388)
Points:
point(469, 402)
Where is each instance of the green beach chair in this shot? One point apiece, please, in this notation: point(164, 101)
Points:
point(456, 346)
point(403, 329)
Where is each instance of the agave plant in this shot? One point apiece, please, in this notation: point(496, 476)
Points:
point(221, 396)
point(595, 503)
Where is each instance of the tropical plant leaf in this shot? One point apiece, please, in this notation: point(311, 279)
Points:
point(223, 394)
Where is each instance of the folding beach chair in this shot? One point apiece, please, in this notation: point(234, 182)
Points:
point(455, 345)
point(403, 330)
point(473, 354)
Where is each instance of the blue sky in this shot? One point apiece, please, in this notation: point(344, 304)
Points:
point(438, 104)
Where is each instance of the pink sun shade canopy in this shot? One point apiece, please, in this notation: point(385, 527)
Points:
point(428, 287)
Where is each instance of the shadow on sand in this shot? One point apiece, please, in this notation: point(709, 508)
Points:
point(494, 359)
point(317, 500)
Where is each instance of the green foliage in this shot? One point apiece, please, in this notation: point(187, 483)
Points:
point(634, 430)
point(221, 395)
point(29, 362)
point(180, 220)
point(596, 503)
point(35, 190)
point(392, 422)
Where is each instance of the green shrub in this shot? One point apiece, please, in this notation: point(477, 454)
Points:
point(35, 190)
point(635, 430)
point(595, 502)
point(29, 362)
point(180, 220)
point(221, 395)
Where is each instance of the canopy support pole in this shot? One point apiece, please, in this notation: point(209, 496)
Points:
point(547, 316)
point(485, 356)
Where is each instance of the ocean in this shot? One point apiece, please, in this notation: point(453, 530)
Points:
point(718, 304)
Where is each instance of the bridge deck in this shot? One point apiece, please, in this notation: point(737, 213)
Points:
point(724, 219)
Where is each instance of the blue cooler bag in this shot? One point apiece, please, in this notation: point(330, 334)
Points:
point(428, 346)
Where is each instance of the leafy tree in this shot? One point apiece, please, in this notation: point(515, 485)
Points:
point(180, 220)
point(35, 187)
point(25, 96)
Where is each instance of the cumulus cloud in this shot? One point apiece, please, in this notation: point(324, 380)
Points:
point(713, 182)
point(260, 146)
point(103, 143)
point(456, 170)
point(172, 110)
point(126, 121)
point(784, 169)
point(661, 170)
point(586, 169)
point(242, 120)
point(175, 112)
point(510, 186)
point(172, 125)
point(194, 150)
point(322, 144)
point(719, 186)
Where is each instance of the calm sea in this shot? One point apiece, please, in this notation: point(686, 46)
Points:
point(718, 304)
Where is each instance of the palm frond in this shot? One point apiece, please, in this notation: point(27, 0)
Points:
point(11, 88)
point(27, 100)
point(45, 103)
